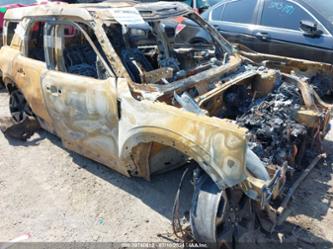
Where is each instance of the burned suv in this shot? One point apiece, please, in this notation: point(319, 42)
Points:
point(116, 83)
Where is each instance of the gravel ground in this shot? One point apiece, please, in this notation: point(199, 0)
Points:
point(53, 195)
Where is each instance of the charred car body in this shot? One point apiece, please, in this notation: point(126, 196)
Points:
point(117, 85)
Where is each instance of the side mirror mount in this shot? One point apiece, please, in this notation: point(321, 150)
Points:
point(310, 28)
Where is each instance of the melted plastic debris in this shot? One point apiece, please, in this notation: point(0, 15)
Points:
point(273, 130)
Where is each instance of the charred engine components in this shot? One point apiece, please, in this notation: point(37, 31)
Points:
point(274, 133)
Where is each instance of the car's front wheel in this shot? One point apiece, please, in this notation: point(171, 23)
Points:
point(218, 217)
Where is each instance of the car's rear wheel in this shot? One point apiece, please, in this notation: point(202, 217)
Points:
point(18, 106)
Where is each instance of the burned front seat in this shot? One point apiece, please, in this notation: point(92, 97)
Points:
point(135, 62)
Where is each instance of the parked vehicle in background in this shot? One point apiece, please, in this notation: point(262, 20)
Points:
point(295, 28)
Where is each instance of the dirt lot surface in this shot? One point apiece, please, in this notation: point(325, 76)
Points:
point(50, 194)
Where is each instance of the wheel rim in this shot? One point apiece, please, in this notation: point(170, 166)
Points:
point(208, 210)
point(217, 216)
point(18, 106)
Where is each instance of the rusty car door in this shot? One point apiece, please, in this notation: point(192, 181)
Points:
point(29, 64)
point(84, 112)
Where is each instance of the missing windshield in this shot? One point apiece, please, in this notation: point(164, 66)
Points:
point(165, 50)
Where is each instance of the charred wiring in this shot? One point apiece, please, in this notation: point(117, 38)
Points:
point(273, 131)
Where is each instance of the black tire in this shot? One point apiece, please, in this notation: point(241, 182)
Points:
point(207, 211)
point(18, 106)
point(219, 217)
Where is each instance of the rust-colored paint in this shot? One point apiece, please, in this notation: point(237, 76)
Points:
point(127, 126)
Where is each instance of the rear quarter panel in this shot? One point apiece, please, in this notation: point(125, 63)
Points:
point(7, 56)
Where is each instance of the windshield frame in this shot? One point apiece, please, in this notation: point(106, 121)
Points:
point(234, 60)
point(217, 36)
